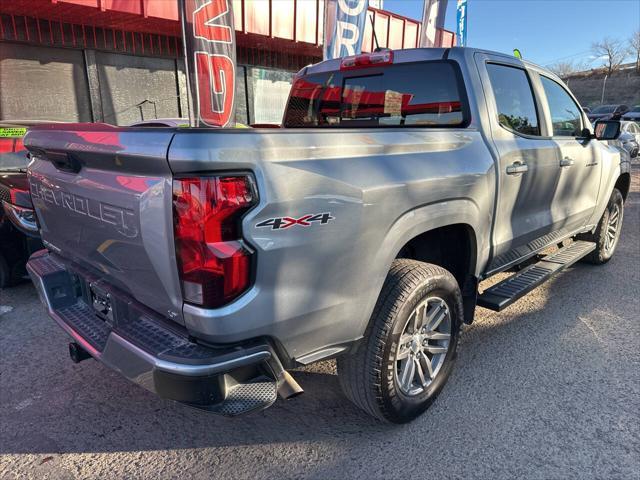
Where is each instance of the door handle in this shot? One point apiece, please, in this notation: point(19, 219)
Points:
point(566, 162)
point(517, 168)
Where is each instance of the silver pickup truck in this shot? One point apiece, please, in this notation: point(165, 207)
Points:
point(204, 263)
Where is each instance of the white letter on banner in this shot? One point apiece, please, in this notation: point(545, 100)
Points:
point(346, 42)
point(353, 11)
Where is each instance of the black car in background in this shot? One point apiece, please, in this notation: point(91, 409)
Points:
point(633, 114)
point(607, 112)
point(19, 236)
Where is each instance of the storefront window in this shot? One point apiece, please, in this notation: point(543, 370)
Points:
point(241, 96)
point(268, 93)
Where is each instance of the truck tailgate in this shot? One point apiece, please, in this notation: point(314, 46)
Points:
point(103, 199)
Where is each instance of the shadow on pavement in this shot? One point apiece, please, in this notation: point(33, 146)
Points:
point(59, 407)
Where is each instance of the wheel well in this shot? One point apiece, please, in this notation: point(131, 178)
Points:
point(452, 247)
point(623, 184)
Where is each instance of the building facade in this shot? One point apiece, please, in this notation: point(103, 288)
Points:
point(121, 61)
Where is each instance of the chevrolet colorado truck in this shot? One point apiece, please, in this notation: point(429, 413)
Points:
point(203, 264)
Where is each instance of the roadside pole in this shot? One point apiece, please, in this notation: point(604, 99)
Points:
point(604, 86)
point(181, 13)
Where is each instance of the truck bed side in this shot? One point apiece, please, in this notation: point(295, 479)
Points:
point(382, 187)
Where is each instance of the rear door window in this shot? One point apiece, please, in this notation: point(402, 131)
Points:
point(424, 94)
point(514, 99)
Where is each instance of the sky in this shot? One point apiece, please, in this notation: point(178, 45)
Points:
point(545, 31)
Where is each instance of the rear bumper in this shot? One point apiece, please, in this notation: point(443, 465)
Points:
point(150, 351)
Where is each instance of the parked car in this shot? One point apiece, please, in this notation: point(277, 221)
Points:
point(19, 236)
point(202, 264)
point(633, 114)
point(608, 112)
point(630, 138)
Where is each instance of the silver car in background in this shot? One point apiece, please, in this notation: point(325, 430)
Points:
point(630, 137)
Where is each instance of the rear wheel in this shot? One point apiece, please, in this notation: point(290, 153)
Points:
point(607, 233)
point(410, 346)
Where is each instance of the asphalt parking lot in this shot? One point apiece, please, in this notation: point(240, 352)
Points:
point(550, 388)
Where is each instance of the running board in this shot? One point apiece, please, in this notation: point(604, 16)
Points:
point(503, 294)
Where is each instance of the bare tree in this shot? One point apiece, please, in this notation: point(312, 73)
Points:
point(634, 47)
point(563, 69)
point(567, 68)
point(612, 51)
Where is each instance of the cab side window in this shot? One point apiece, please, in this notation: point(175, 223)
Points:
point(514, 99)
point(566, 119)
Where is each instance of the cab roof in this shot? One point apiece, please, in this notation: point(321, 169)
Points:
point(418, 55)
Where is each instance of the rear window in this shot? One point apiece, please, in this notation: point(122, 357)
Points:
point(418, 94)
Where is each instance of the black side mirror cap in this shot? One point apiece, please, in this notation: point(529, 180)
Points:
point(586, 134)
point(607, 129)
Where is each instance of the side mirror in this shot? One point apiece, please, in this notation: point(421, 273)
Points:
point(607, 129)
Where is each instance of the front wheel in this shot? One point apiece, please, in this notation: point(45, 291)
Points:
point(607, 233)
point(410, 345)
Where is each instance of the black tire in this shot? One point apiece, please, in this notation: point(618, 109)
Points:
point(5, 273)
point(368, 376)
point(604, 252)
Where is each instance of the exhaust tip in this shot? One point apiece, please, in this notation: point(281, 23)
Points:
point(77, 353)
point(289, 388)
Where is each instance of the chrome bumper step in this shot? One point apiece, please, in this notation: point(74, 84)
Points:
point(247, 397)
point(503, 294)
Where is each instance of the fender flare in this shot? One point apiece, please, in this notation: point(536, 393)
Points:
point(430, 217)
point(606, 188)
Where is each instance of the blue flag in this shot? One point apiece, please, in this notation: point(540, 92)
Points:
point(461, 18)
point(344, 25)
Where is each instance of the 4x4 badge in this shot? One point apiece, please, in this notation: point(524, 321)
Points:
point(280, 223)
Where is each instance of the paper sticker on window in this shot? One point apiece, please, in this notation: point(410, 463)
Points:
point(392, 103)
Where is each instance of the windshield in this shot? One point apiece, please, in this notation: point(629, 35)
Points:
point(13, 155)
point(604, 109)
point(636, 109)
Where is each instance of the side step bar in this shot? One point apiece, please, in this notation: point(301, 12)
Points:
point(503, 294)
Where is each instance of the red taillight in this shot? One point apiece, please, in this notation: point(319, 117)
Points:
point(7, 145)
point(367, 60)
point(213, 261)
point(19, 197)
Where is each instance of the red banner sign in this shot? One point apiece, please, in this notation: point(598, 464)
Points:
point(210, 55)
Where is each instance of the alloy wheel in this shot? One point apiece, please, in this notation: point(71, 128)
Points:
point(423, 346)
point(613, 228)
